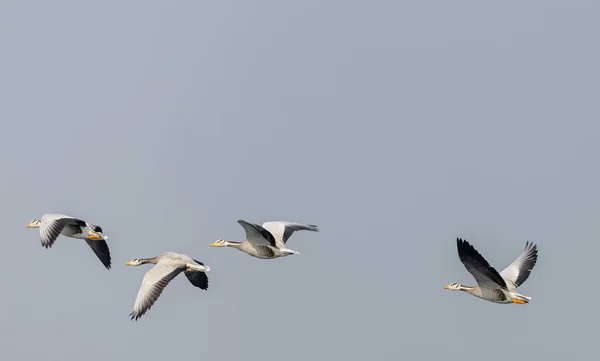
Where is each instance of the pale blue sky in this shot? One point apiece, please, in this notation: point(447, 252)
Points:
point(394, 126)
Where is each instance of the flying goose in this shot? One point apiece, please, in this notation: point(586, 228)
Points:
point(53, 225)
point(491, 285)
point(266, 241)
point(167, 266)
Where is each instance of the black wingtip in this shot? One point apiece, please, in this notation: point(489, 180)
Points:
point(198, 279)
point(465, 246)
point(462, 242)
point(530, 245)
point(107, 263)
point(532, 249)
point(134, 317)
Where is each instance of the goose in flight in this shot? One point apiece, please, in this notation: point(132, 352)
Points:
point(53, 225)
point(167, 266)
point(491, 285)
point(266, 241)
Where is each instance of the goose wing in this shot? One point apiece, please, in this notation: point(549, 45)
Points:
point(101, 250)
point(257, 234)
point(153, 284)
point(198, 279)
point(282, 230)
point(53, 224)
point(484, 274)
point(518, 271)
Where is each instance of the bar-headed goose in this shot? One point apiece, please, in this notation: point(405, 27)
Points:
point(266, 241)
point(491, 285)
point(167, 266)
point(53, 225)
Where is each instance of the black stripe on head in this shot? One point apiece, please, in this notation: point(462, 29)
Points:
point(97, 229)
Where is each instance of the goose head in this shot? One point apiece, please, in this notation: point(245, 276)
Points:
point(136, 262)
point(34, 224)
point(220, 243)
point(454, 286)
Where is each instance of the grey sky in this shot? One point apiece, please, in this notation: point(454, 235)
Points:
point(394, 126)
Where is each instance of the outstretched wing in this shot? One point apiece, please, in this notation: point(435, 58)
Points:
point(282, 230)
point(257, 234)
point(518, 271)
point(101, 250)
point(153, 284)
point(53, 224)
point(484, 274)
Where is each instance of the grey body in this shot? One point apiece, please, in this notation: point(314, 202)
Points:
point(267, 241)
point(52, 225)
point(167, 266)
point(495, 295)
point(262, 251)
point(491, 285)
